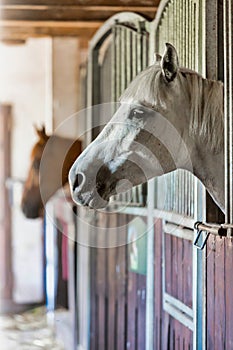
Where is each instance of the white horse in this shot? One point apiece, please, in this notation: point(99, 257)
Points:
point(170, 117)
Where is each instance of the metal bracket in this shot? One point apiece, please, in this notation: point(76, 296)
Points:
point(215, 229)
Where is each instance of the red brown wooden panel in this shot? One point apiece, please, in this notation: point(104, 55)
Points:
point(169, 333)
point(178, 268)
point(187, 274)
point(210, 290)
point(131, 310)
point(229, 299)
point(180, 336)
point(174, 266)
point(168, 259)
point(141, 314)
point(220, 307)
point(158, 287)
point(101, 277)
point(118, 296)
point(93, 297)
point(111, 289)
point(121, 283)
point(219, 293)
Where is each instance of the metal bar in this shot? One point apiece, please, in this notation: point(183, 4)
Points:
point(118, 63)
point(134, 55)
point(113, 77)
point(123, 59)
point(228, 112)
point(128, 56)
point(215, 229)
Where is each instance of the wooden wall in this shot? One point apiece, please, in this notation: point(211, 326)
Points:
point(169, 333)
point(219, 302)
point(118, 295)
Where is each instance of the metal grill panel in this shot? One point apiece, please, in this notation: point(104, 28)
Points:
point(130, 56)
point(178, 26)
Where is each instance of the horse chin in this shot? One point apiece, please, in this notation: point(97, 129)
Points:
point(32, 212)
point(98, 203)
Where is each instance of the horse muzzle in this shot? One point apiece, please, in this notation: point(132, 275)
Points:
point(87, 191)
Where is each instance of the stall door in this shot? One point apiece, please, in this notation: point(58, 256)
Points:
point(178, 280)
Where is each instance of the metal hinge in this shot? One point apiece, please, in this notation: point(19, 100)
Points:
point(215, 229)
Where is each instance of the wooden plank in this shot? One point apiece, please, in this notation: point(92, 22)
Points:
point(171, 335)
point(219, 305)
point(168, 263)
point(93, 289)
point(131, 310)
point(5, 214)
point(180, 279)
point(188, 274)
point(121, 277)
point(158, 284)
point(101, 283)
point(174, 241)
point(187, 286)
point(69, 13)
point(228, 292)
point(24, 29)
point(93, 298)
point(210, 290)
point(111, 289)
point(141, 307)
point(130, 3)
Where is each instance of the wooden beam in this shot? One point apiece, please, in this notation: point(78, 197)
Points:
point(125, 3)
point(69, 13)
point(22, 30)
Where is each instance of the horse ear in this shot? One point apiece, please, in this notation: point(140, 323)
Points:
point(169, 63)
point(41, 133)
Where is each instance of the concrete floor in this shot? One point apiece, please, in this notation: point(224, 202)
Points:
point(36, 329)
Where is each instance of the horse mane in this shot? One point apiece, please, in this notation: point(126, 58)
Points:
point(205, 97)
point(207, 118)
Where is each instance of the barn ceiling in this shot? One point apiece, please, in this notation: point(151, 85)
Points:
point(21, 19)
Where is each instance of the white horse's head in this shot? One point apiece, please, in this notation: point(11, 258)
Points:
point(153, 132)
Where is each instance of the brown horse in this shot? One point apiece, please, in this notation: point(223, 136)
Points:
point(51, 158)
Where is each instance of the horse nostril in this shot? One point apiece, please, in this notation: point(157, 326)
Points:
point(79, 179)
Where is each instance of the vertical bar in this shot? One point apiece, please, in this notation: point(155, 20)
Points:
point(228, 113)
point(123, 60)
point(118, 62)
point(134, 54)
point(128, 56)
point(139, 48)
point(113, 78)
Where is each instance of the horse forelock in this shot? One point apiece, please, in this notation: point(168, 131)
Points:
point(204, 99)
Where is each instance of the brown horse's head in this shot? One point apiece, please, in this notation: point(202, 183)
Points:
point(51, 159)
point(31, 203)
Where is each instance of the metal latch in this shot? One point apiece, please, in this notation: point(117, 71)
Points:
point(215, 229)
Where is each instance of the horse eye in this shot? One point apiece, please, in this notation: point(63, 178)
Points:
point(136, 112)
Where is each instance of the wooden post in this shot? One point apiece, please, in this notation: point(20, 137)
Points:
point(5, 217)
